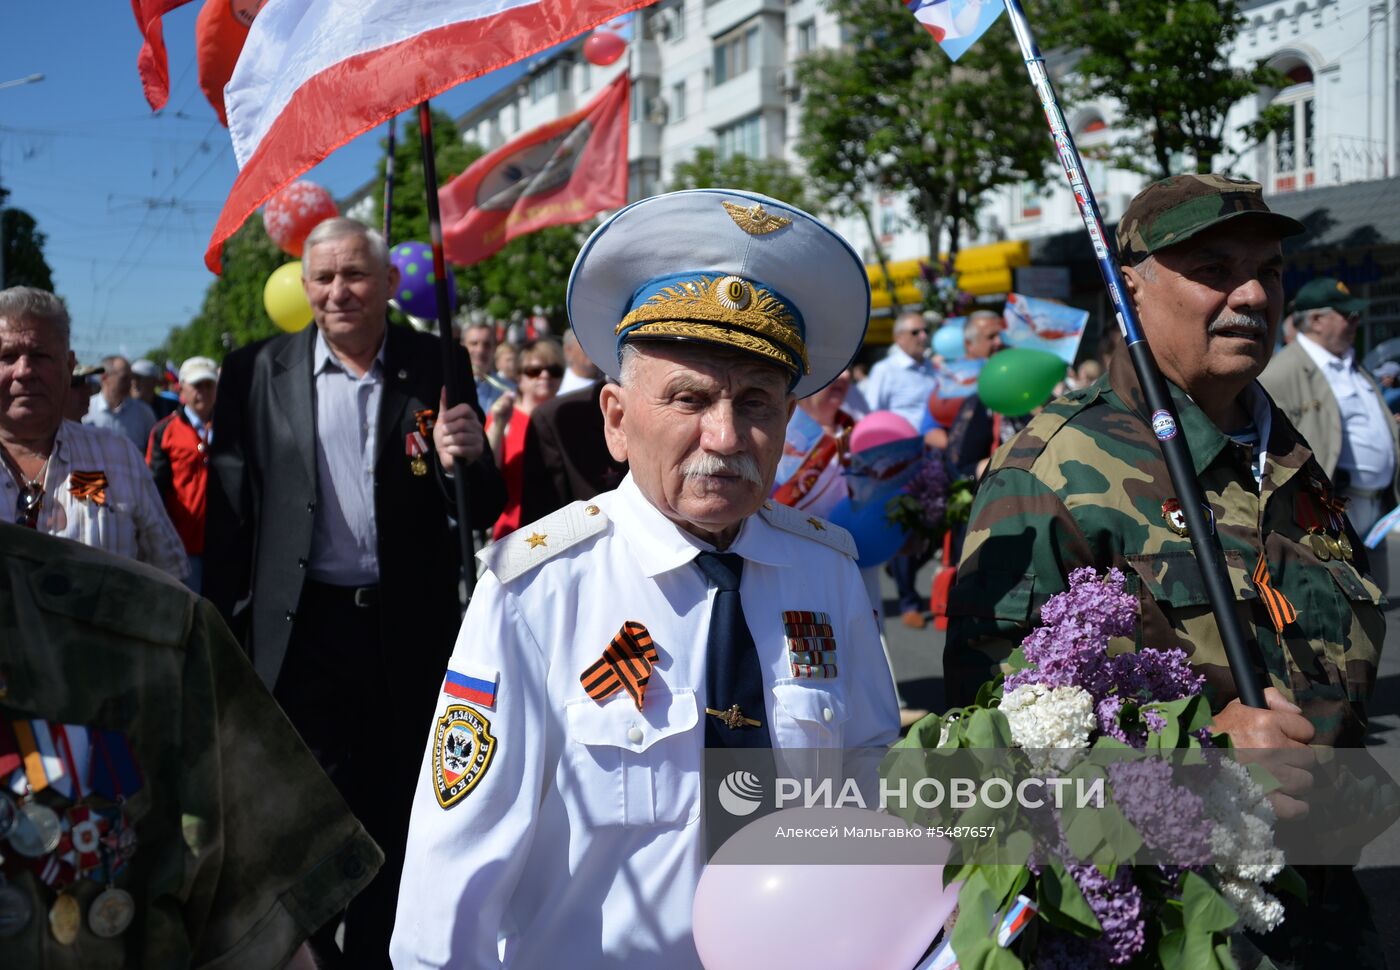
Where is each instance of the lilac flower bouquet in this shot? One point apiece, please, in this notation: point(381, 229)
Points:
point(1127, 721)
point(929, 503)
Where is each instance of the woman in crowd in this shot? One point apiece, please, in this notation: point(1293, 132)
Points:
point(541, 370)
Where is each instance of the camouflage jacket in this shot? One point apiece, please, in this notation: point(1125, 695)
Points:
point(242, 846)
point(1085, 485)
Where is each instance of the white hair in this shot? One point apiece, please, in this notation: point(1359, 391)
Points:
point(340, 228)
point(31, 303)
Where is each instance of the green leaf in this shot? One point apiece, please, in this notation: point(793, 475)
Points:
point(976, 911)
point(1062, 904)
point(988, 728)
point(1204, 909)
point(1290, 881)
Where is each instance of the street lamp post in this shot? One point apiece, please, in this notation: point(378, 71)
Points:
point(30, 79)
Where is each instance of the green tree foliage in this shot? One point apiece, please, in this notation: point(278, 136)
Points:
point(890, 113)
point(1165, 62)
point(766, 176)
point(530, 271)
point(24, 249)
point(232, 313)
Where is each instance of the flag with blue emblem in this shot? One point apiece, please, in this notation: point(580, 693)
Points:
point(956, 24)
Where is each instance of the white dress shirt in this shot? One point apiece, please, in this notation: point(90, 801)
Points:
point(1368, 452)
point(901, 384)
point(582, 842)
point(131, 521)
point(572, 382)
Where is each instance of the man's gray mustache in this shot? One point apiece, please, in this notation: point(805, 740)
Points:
point(1240, 321)
point(706, 464)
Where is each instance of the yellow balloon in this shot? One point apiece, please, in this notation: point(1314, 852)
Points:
point(285, 300)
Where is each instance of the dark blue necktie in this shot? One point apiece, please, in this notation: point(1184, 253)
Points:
point(736, 715)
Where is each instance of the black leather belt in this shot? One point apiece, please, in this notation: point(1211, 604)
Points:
point(359, 597)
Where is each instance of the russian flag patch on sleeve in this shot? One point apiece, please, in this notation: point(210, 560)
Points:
point(473, 689)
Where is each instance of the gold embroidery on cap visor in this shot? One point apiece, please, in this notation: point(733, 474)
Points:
point(755, 220)
point(723, 310)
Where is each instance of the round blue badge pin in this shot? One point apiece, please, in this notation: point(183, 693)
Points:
point(1163, 426)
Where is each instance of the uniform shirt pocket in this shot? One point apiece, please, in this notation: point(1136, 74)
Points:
point(807, 716)
point(628, 767)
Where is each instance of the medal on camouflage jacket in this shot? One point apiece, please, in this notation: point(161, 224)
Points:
point(1309, 518)
point(1336, 518)
point(1176, 519)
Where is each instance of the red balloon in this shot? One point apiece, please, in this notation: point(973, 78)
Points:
point(603, 48)
point(945, 409)
point(292, 213)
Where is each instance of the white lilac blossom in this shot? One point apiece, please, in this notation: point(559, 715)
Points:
point(1049, 717)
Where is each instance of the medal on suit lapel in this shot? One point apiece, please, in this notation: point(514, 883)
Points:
point(416, 447)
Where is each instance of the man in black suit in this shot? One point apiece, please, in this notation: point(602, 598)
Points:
point(328, 533)
point(557, 474)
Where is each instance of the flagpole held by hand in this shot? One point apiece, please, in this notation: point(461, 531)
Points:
point(1240, 649)
point(452, 377)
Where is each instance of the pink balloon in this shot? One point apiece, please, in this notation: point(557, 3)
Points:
point(603, 47)
point(292, 213)
point(880, 428)
point(745, 915)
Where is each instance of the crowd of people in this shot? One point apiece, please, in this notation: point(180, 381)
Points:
point(521, 785)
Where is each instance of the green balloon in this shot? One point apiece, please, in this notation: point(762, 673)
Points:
point(1017, 381)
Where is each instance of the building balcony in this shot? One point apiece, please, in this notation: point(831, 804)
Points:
point(720, 16)
point(755, 90)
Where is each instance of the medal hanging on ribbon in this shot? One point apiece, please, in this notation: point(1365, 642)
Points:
point(1336, 518)
point(1309, 517)
point(415, 446)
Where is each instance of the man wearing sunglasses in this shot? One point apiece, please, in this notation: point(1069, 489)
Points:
point(1338, 406)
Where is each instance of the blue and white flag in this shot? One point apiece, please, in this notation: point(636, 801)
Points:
point(1033, 324)
point(956, 24)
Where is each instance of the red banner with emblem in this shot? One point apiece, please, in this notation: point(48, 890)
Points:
point(558, 174)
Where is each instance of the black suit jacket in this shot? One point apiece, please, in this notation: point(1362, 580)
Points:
point(557, 474)
point(261, 508)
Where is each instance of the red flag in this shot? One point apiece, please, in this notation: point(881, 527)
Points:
point(314, 74)
point(219, 33)
point(560, 173)
point(151, 63)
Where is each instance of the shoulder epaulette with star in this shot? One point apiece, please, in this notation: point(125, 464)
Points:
point(532, 544)
point(808, 526)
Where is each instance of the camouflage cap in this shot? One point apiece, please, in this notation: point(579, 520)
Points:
point(1174, 209)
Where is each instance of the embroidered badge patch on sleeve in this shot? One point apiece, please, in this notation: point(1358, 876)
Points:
point(462, 750)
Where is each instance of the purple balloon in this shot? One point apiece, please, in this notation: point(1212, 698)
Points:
point(889, 914)
point(416, 293)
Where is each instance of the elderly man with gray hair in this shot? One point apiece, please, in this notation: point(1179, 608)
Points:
point(115, 409)
point(61, 477)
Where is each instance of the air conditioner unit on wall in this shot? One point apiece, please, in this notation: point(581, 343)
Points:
point(657, 111)
point(665, 23)
point(789, 80)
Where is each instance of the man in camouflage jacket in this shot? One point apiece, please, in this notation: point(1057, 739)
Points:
point(1085, 485)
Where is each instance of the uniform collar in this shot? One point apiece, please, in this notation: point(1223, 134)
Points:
point(661, 546)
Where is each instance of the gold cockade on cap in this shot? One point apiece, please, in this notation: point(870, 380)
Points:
point(711, 308)
point(755, 220)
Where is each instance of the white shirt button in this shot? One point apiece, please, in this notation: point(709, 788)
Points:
point(634, 734)
point(827, 715)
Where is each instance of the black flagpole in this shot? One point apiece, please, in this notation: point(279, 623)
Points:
point(452, 377)
point(389, 185)
point(1240, 649)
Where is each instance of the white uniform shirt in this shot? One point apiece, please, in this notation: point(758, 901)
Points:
point(582, 842)
point(131, 522)
point(1368, 451)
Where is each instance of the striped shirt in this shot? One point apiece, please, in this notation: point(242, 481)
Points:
point(131, 521)
point(344, 537)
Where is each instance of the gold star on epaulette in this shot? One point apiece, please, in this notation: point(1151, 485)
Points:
point(755, 220)
point(817, 524)
point(536, 540)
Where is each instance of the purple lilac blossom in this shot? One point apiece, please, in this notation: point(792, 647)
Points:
point(1169, 818)
point(929, 487)
point(1117, 903)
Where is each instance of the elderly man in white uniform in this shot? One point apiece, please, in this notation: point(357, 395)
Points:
point(558, 817)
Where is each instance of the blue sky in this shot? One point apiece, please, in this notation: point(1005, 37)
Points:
point(126, 198)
